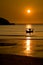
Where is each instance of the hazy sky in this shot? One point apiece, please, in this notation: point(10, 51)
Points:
point(15, 10)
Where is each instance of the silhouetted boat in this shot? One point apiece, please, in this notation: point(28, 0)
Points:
point(29, 30)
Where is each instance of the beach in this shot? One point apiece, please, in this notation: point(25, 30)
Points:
point(8, 59)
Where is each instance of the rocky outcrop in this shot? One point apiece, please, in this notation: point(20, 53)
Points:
point(5, 22)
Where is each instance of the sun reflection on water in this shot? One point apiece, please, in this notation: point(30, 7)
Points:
point(27, 46)
point(28, 26)
point(28, 43)
point(28, 40)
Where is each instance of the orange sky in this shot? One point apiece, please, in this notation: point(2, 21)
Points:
point(14, 10)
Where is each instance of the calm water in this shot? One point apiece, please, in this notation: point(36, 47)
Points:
point(26, 46)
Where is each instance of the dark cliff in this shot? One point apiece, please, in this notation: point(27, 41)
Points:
point(5, 22)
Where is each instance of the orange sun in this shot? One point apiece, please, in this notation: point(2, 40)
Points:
point(28, 11)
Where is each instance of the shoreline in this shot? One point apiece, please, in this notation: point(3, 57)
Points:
point(9, 59)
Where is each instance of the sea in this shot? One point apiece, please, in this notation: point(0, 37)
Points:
point(15, 40)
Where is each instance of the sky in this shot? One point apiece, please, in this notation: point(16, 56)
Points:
point(15, 11)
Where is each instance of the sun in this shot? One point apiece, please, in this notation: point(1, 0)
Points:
point(28, 11)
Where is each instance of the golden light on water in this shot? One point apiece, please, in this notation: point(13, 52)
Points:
point(28, 39)
point(28, 44)
point(27, 51)
point(28, 26)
